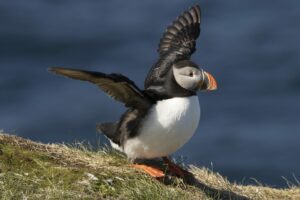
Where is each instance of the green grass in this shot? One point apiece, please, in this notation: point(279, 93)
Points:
point(31, 170)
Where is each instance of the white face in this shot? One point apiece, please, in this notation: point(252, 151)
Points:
point(188, 77)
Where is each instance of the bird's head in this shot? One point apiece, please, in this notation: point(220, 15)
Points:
point(190, 77)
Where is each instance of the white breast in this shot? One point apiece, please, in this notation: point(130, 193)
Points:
point(168, 126)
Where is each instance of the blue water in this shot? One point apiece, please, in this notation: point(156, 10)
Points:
point(249, 128)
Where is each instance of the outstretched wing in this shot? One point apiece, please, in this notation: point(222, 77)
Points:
point(116, 86)
point(177, 43)
point(182, 34)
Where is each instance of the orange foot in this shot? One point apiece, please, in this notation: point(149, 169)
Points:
point(154, 172)
point(175, 169)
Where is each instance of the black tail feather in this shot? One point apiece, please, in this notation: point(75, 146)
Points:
point(109, 130)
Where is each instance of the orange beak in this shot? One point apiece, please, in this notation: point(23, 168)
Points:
point(208, 82)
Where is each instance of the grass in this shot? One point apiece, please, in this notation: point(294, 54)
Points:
point(31, 170)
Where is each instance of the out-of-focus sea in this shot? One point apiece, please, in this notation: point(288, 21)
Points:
point(250, 127)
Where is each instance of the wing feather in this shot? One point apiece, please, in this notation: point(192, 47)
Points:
point(182, 34)
point(177, 43)
point(116, 86)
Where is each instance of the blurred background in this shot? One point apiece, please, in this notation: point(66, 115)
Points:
point(249, 127)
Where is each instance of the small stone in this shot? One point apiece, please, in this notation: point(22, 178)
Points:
point(91, 177)
point(108, 181)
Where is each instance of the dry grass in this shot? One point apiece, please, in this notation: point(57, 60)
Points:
point(32, 170)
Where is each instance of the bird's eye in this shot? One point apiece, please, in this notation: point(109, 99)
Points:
point(191, 74)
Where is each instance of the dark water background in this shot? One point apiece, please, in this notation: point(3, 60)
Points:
point(249, 127)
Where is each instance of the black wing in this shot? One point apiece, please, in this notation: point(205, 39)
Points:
point(182, 34)
point(177, 43)
point(116, 86)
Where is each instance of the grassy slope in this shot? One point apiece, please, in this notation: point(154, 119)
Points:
point(30, 170)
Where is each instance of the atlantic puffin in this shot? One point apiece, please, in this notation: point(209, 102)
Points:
point(164, 115)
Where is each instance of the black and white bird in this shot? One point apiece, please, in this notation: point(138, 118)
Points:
point(164, 115)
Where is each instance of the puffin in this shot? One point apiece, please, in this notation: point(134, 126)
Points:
point(164, 115)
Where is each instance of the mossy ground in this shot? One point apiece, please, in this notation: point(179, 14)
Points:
point(31, 170)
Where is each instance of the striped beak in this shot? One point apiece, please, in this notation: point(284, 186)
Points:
point(208, 82)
